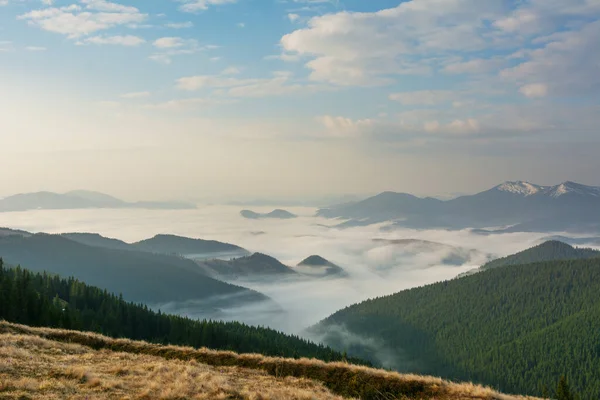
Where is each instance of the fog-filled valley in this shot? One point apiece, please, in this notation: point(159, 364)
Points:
point(376, 261)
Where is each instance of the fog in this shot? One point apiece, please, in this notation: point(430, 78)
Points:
point(375, 268)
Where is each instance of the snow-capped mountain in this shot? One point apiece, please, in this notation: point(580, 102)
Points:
point(521, 188)
point(572, 188)
point(522, 205)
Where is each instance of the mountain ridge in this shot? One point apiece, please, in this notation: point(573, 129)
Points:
point(517, 206)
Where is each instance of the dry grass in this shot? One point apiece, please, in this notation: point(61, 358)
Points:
point(44, 363)
point(34, 368)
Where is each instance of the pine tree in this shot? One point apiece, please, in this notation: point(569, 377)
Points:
point(563, 391)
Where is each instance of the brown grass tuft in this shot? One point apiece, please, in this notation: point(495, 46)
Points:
point(121, 368)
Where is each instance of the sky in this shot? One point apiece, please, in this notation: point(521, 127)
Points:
point(229, 99)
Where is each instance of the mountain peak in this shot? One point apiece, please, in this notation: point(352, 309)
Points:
point(315, 261)
point(569, 187)
point(522, 188)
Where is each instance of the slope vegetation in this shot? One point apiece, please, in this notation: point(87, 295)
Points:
point(517, 327)
point(36, 368)
point(98, 365)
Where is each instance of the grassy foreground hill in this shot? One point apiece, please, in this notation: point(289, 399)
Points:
point(40, 363)
point(518, 328)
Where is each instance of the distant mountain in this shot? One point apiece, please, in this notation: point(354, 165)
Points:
point(78, 199)
point(196, 249)
point(94, 239)
point(257, 265)
point(139, 276)
point(318, 266)
point(187, 247)
point(517, 328)
point(520, 206)
point(548, 251)
point(275, 214)
point(10, 232)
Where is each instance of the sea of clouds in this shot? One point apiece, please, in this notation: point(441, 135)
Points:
point(375, 268)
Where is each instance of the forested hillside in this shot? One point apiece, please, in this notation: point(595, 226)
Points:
point(547, 251)
point(516, 328)
point(50, 301)
point(139, 276)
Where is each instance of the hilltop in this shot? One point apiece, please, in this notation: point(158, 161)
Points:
point(54, 364)
point(275, 214)
point(547, 251)
point(318, 266)
point(255, 265)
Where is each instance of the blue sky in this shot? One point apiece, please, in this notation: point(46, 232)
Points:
point(298, 97)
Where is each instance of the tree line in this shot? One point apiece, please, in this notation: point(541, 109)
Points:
point(47, 300)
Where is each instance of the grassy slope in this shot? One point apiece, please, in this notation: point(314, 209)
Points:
point(33, 362)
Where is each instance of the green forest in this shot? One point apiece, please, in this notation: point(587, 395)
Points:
point(41, 299)
point(516, 328)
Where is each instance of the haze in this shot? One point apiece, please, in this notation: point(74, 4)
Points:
point(223, 100)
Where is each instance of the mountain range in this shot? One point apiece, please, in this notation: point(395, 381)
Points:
point(513, 206)
point(140, 276)
point(79, 199)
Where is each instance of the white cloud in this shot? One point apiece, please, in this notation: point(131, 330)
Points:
point(231, 71)
point(200, 5)
point(423, 97)
point(474, 66)
point(169, 47)
point(241, 25)
point(293, 17)
point(538, 16)
point(168, 42)
point(343, 127)
point(48, 2)
point(35, 48)
point(352, 48)
point(6, 46)
point(567, 64)
point(128, 40)
point(534, 90)
point(106, 6)
point(135, 95)
point(280, 84)
point(161, 59)
point(456, 127)
point(180, 25)
point(74, 21)
point(192, 83)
